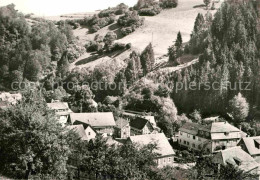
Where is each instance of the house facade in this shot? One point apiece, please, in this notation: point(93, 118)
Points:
point(164, 150)
point(140, 126)
point(62, 110)
point(122, 129)
point(103, 123)
point(210, 138)
point(251, 145)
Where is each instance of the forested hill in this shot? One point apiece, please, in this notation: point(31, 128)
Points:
point(229, 48)
point(28, 52)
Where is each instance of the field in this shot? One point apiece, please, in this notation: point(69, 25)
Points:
point(160, 30)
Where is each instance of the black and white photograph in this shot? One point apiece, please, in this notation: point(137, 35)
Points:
point(130, 90)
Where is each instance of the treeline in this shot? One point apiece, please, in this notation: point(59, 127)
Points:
point(128, 21)
point(152, 7)
point(28, 53)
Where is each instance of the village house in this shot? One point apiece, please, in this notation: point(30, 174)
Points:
point(140, 126)
point(62, 110)
point(164, 149)
point(122, 129)
point(133, 114)
point(237, 157)
point(102, 122)
point(79, 129)
point(210, 138)
point(251, 145)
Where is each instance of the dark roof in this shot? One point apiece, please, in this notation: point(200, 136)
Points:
point(191, 128)
point(138, 123)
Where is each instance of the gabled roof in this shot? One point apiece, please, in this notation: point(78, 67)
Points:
point(79, 129)
point(163, 145)
point(249, 143)
point(139, 123)
point(237, 157)
point(94, 119)
point(58, 105)
point(191, 128)
point(121, 122)
point(217, 127)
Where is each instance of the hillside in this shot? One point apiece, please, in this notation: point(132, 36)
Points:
point(163, 27)
point(161, 30)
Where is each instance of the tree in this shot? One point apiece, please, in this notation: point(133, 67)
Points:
point(196, 116)
point(178, 42)
point(239, 108)
point(113, 161)
point(82, 98)
point(63, 65)
point(207, 2)
point(147, 59)
point(109, 39)
point(176, 50)
point(33, 141)
point(32, 69)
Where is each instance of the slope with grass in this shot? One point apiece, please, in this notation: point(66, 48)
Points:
point(161, 30)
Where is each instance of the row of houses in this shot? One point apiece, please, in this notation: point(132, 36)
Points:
point(131, 127)
point(228, 144)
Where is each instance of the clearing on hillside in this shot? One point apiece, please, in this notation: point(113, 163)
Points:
point(161, 30)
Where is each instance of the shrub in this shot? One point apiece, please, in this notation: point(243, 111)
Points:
point(126, 31)
point(169, 3)
point(93, 46)
point(118, 46)
point(149, 12)
point(129, 19)
point(94, 29)
point(128, 46)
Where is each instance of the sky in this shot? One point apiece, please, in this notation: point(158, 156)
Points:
point(58, 7)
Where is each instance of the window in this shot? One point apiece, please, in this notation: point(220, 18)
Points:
point(180, 140)
point(184, 142)
point(194, 137)
point(188, 143)
point(164, 160)
point(89, 133)
point(226, 133)
point(169, 159)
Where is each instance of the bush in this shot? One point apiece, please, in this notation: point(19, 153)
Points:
point(118, 46)
point(97, 23)
point(94, 29)
point(126, 31)
point(148, 12)
point(129, 19)
point(128, 46)
point(93, 46)
point(169, 3)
